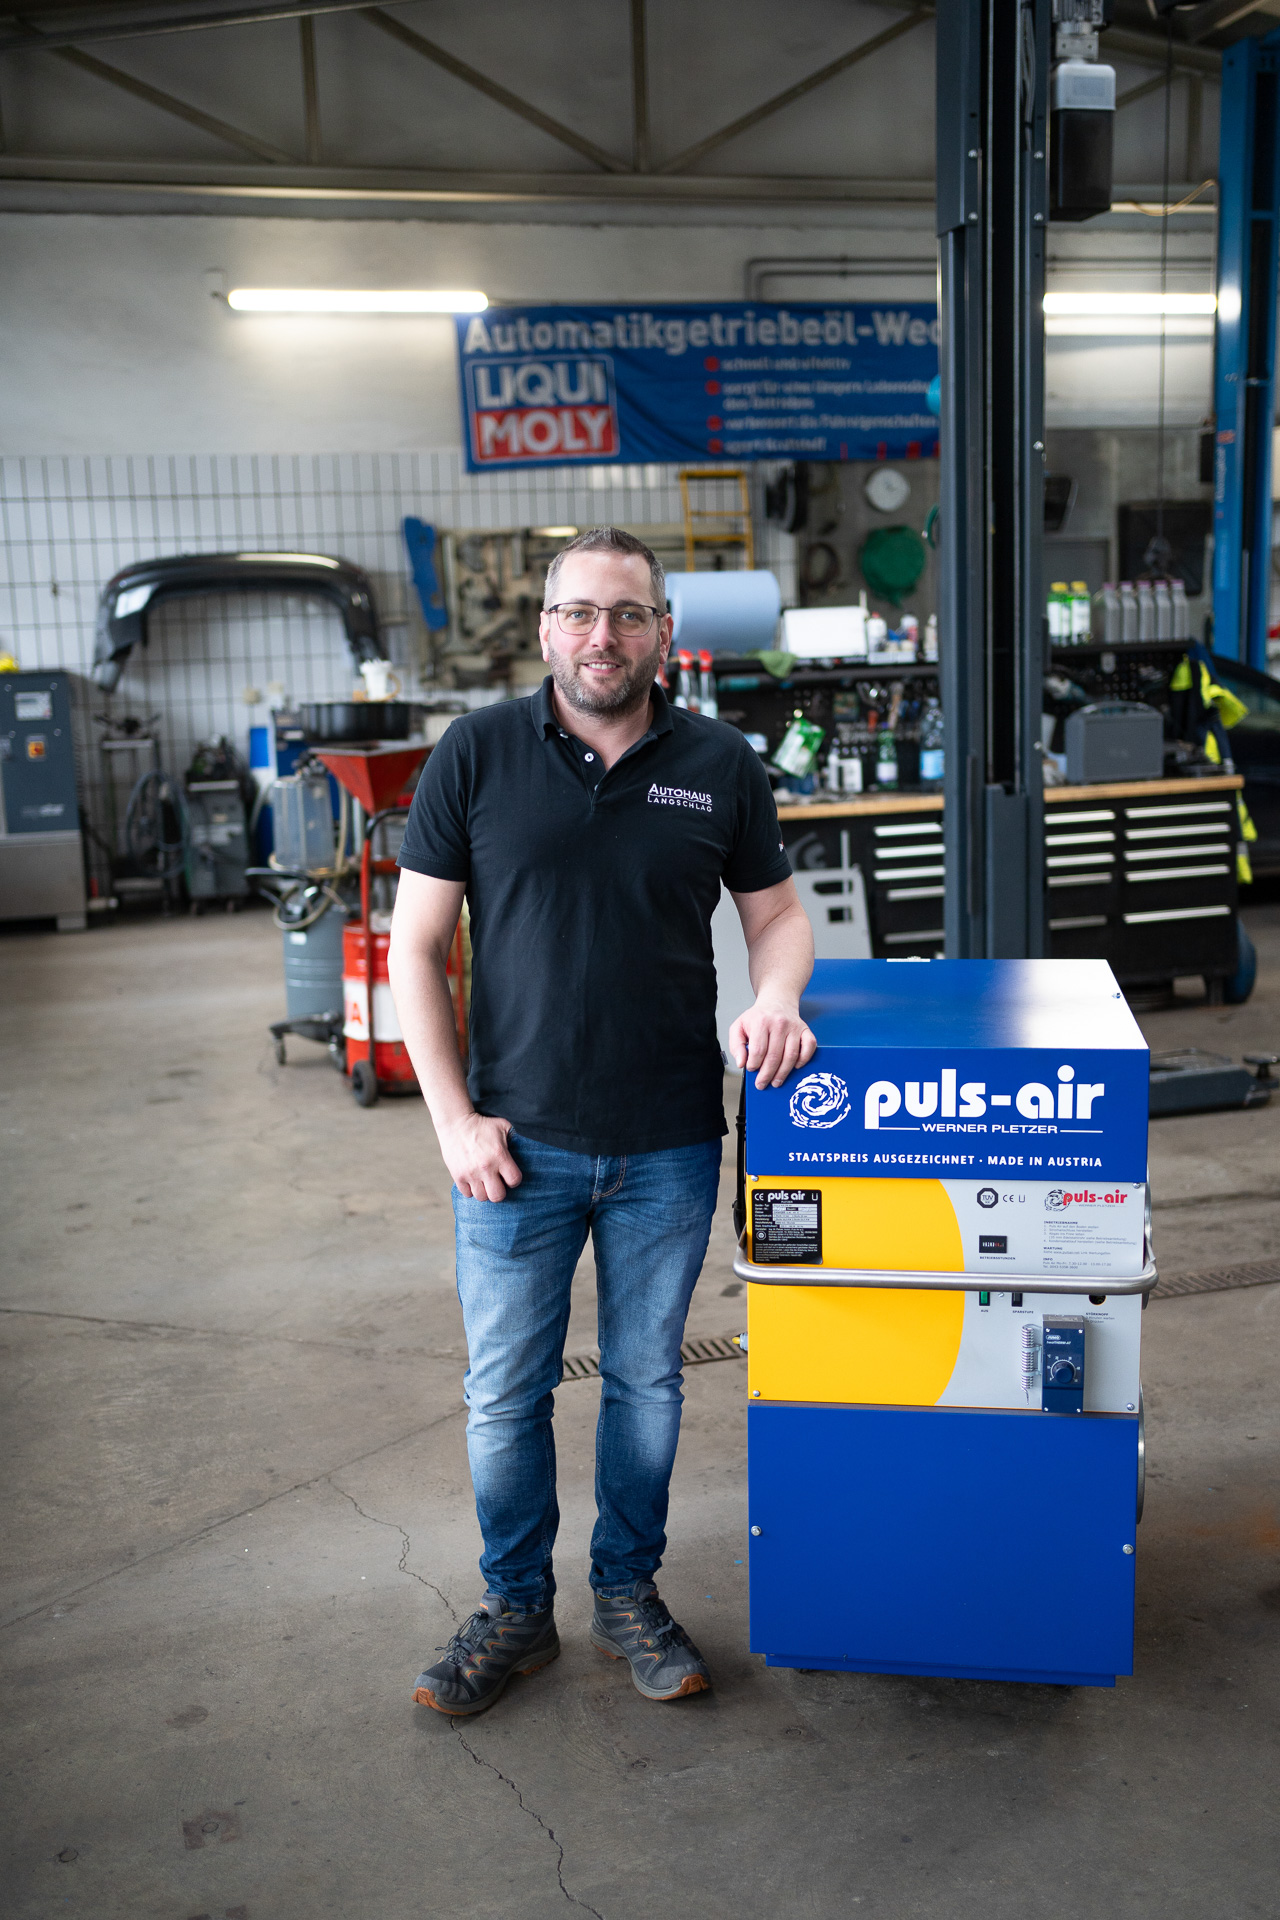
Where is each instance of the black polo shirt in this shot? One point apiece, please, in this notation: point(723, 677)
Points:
point(591, 896)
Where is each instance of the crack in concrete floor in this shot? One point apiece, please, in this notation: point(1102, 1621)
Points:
point(402, 1566)
point(257, 1506)
point(533, 1814)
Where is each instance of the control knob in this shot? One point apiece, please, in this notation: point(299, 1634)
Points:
point(1061, 1374)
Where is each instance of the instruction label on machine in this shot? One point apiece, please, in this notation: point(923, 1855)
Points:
point(1034, 1228)
point(786, 1226)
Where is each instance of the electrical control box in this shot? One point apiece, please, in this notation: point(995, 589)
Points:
point(1062, 1364)
point(41, 854)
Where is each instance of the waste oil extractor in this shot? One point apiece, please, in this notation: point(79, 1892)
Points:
point(947, 1241)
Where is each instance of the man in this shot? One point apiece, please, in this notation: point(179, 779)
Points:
point(589, 828)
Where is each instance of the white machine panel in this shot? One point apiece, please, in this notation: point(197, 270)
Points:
point(989, 1368)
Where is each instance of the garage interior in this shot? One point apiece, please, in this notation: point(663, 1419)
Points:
point(233, 1348)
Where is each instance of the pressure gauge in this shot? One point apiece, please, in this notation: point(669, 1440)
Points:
point(887, 489)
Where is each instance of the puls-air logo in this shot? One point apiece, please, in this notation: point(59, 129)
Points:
point(1058, 1199)
point(820, 1100)
point(1075, 1100)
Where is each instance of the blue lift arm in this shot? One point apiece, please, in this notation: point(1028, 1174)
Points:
point(1245, 347)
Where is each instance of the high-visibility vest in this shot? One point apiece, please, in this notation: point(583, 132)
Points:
point(1219, 709)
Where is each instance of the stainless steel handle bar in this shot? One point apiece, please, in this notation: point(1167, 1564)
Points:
point(781, 1276)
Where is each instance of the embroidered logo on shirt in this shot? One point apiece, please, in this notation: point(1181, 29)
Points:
point(679, 797)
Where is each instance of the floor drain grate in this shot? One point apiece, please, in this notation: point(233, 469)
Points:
point(1262, 1273)
point(694, 1353)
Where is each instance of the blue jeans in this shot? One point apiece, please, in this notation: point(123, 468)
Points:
point(649, 1217)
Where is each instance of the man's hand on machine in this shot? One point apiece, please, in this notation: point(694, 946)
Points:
point(477, 1155)
point(769, 1040)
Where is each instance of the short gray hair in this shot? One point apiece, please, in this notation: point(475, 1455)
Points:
point(610, 540)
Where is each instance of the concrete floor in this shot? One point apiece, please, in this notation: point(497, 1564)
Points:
point(238, 1520)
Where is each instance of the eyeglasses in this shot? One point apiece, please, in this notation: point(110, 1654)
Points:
point(628, 619)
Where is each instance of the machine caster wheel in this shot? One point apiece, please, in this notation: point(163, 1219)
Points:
point(364, 1083)
point(337, 1051)
point(280, 1053)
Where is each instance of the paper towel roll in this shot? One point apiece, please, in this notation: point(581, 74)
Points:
point(724, 612)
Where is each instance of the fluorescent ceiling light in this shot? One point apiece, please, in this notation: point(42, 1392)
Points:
point(1137, 304)
point(354, 300)
point(1126, 325)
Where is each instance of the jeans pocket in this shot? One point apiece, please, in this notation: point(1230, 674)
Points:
point(491, 1226)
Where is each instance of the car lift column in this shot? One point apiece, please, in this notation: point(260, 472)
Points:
point(1245, 347)
point(993, 63)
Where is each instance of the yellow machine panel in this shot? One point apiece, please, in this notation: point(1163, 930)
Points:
point(895, 1224)
point(878, 1346)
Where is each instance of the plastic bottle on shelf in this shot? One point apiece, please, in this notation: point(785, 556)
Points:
point(1108, 615)
point(931, 638)
point(1128, 611)
point(1164, 611)
point(886, 758)
point(1146, 611)
point(1081, 614)
point(910, 630)
point(877, 636)
point(1059, 614)
point(932, 744)
point(1181, 612)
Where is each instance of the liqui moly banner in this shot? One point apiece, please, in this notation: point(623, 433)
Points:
point(566, 386)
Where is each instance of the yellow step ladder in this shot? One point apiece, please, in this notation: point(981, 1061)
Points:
point(719, 527)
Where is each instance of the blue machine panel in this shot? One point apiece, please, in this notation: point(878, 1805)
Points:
point(943, 1541)
point(37, 754)
point(1245, 347)
point(960, 1068)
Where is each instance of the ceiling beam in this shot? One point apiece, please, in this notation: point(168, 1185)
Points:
point(301, 183)
point(169, 103)
point(691, 155)
point(428, 49)
point(1215, 16)
point(133, 26)
point(639, 88)
point(237, 181)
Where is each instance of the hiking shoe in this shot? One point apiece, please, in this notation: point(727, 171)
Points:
point(636, 1627)
point(484, 1653)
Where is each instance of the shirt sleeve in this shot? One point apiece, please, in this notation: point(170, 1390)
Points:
point(436, 839)
point(757, 859)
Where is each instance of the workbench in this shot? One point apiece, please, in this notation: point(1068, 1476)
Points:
point(1141, 873)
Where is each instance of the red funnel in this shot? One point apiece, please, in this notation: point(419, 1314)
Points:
point(374, 778)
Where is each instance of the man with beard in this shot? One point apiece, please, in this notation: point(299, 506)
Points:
point(590, 828)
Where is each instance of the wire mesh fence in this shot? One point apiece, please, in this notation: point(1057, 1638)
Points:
point(68, 524)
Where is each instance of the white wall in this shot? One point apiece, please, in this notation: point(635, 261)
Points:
point(114, 343)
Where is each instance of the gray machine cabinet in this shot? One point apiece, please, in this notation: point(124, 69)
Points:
point(41, 857)
point(1114, 740)
point(217, 841)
